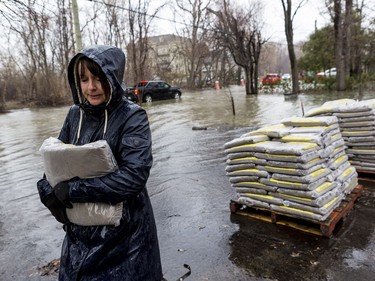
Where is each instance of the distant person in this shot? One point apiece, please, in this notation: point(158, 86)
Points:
point(129, 251)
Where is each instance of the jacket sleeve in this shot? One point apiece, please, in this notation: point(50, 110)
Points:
point(133, 153)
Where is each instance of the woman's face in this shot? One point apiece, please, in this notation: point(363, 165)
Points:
point(91, 87)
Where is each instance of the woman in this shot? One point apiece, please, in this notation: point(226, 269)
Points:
point(129, 251)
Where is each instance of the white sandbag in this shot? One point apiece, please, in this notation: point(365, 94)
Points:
point(272, 131)
point(304, 214)
point(251, 147)
point(248, 172)
point(369, 102)
point(243, 178)
point(245, 140)
point(254, 184)
point(355, 125)
point(340, 107)
point(360, 144)
point(314, 162)
point(351, 139)
point(292, 185)
point(333, 149)
point(336, 162)
point(309, 121)
point(291, 148)
point(365, 168)
point(236, 155)
point(307, 178)
point(363, 157)
point(348, 185)
point(290, 158)
point(329, 107)
point(358, 133)
point(365, 150)
point(231, 168)
point(362, 165)
point(65, 161)
point(314, 129)
point(315, 193)
point(356, 119)
point(290, 171)
point(354, 108)
point(253, 203)
point(89, 214)
point(326, 208)
point(313, 202)
point(340, 172)
point(263, 198)
point(241, 190)
point(354, 114)
point(339, 102)
point(245, 160)
point(337, 152)
point(347, 173)
point(304, 137)
point(359, 128)
point(323, 139)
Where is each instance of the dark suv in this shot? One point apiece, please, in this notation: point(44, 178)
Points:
point(153, 90)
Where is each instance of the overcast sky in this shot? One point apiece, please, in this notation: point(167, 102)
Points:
point(313, 12)
point(304, 23)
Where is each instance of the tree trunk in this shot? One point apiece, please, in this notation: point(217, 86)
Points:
point(77, 27)
point(289, 38)
point(294, 69)
point(339, 37)
point(2, 97)
point(249, 83)
point(347, 35)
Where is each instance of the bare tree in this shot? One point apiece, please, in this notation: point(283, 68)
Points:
point(288, 22)
point(31, 27)
point(238, 30)
point(61, 40)
point(341, 14)
point(40, 50)
point(139, 21)
point(115, 19)
point(357, 40)
point(193, 13)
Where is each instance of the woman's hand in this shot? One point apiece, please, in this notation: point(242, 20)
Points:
point(61, 191)
point(49, 199)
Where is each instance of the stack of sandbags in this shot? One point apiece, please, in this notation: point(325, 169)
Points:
point(357, 126)
point(297, 167)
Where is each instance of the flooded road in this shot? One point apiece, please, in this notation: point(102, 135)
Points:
point(190, 194)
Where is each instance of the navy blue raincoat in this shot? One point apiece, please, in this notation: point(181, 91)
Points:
point(130, 251)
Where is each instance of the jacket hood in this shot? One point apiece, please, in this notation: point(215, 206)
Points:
point(112, 62)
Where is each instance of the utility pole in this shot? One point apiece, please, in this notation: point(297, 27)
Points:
point(77, 27)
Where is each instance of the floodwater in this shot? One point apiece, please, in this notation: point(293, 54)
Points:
point(190, 194)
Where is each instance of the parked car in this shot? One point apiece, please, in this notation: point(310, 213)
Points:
point(132, 92)
point(327, 73)
point(152, 90)
point(286, 76)
point(271, 79)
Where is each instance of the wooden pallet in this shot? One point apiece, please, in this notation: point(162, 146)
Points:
point(365, 175)
point(323, 228)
